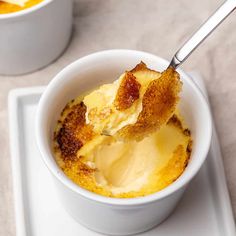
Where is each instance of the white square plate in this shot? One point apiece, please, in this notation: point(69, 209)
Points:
point(204, 210)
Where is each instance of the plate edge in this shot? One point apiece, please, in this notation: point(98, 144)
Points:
point(221, 187)
point(14, 98)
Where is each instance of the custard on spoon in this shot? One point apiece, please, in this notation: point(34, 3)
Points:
point(140, 102)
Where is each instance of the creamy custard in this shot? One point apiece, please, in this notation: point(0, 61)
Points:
point(14, 6)
point(114, 167)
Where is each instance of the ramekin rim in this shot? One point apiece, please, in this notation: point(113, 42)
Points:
point(175, 186)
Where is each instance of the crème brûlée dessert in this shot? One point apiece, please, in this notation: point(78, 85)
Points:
point(10, 6)
point(125, 139)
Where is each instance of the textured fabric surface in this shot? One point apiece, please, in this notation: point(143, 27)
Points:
point(156, 26)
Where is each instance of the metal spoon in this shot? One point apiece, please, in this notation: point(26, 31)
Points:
point(203, 32)
point(198, 37)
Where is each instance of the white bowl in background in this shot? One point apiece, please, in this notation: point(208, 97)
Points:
point(114, 215)
point(32, 38)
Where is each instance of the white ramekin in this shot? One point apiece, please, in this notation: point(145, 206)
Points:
point(112, 215)
point(32, 38)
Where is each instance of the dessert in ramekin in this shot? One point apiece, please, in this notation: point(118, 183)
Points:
point(32, 38)
point(118, 216)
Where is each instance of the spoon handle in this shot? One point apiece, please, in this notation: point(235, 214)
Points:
point(198, 37)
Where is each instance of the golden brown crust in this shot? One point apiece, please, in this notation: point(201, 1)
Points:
point(174, 120)
point(139, 67)
point(67, 143)
point(158, 105)
point(74, 133)
point(128, 92)
point(83, 174)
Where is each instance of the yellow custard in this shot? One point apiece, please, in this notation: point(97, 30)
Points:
point(115, 167)
point(6, 8)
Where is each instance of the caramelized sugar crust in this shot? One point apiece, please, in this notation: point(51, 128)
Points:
point(74, 132)
point(158, 105)
point(128, 92)
point(141, 67)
